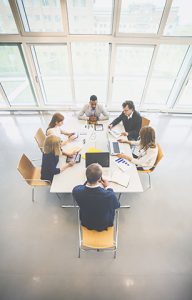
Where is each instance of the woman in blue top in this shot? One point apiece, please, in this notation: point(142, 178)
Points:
point(51, 152)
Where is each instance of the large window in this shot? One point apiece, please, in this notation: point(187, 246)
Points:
point(131, 68)
point(7, 23)
point(90, 67)
point(90, 16)
point(53, 73)
point(166, 68)
point(179, 22)
point(141, 16)
point(13, 76)
point(41, 16)
point(186, 97)
point(59, 52)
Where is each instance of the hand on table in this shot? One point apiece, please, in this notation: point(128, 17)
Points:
point(124, 133)
point(93, 119)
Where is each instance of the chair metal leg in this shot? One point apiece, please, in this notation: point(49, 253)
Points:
point(79, 254)
point(33, 194)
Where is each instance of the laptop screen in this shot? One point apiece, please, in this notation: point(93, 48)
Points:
point(101, 158)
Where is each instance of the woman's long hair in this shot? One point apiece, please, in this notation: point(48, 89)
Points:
point(147, 136)
point(52, 144)
point(57, 117)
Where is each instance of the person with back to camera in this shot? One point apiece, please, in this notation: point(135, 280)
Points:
point(54, 128)
point(147, 149)
point(51, 153)
point(92, 111)
point(131, 121)
point(97, 201)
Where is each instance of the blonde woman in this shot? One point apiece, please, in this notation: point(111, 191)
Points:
point(51, 152)
point(147, 149)
point(54, 128)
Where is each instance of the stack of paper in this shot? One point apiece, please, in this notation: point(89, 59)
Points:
point(115, 133)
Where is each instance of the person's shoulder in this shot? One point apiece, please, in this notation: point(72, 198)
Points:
point(78, 188)
point(136, 113)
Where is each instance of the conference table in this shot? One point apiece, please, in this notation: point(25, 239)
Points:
point(97, 139)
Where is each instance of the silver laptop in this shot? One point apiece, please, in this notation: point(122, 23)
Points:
point(115, 148)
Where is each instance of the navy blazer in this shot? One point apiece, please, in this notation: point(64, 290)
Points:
point(132, 125)
point(97, 206)
point(49, 166)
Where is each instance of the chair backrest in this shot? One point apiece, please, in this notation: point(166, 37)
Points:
point(26, 168)
point(159, 155)
point(40, 138)
point(145, 122)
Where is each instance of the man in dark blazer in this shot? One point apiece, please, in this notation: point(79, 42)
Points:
point(131, 120)
point(97, 201)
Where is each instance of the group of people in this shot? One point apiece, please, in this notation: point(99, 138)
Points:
point(97, 201)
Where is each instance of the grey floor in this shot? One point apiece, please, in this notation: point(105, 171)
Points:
point(39, 242)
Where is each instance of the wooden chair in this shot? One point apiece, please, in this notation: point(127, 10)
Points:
point(98, 240)
point(31, 174)
point(40, 138)
point(145, 122)
point(159, 157)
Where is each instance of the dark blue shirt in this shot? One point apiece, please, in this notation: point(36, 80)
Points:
point(49, 166)
point(132, 125)
point(97, 206)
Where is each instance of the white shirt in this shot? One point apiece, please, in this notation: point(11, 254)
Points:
point(146, 158)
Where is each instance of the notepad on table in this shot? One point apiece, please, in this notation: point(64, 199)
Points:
point(119, 177)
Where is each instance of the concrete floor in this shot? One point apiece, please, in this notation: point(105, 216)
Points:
point(39, 242)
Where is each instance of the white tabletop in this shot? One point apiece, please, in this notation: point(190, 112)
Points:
point(66, 180)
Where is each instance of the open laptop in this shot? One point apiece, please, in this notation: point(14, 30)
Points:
point(115, 148)
point(101, 158)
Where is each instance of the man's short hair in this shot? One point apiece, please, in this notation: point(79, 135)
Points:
point(93, 98)
point(130, 104)
point(93, 173)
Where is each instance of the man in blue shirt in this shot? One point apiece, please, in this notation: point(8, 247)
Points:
point(97, 201)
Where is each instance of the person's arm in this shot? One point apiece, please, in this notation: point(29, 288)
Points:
point(67, 165)
point(117, 120)
point(146, 160)
point(81, 114)
point(104, 113)
point(114, 200)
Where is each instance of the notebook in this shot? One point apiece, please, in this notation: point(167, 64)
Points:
point(119, 177)
point(115, 133)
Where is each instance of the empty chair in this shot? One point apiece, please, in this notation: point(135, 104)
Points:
point(98, 240)
point(159, 157)
point(40, 138)
point(31, 174)
point(145, 122)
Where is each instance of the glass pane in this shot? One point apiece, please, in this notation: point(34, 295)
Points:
point(13, 77)
point(7, 23)
point(131, 69)
point(90, 66)
point(186, 99)
point(2, 102)
point(41, 15)
point(179, 21)
point(90, 16)
point(166, 68)
point(53, 70)
point(141, 16)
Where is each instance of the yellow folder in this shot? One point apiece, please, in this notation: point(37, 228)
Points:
point(91, 150)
